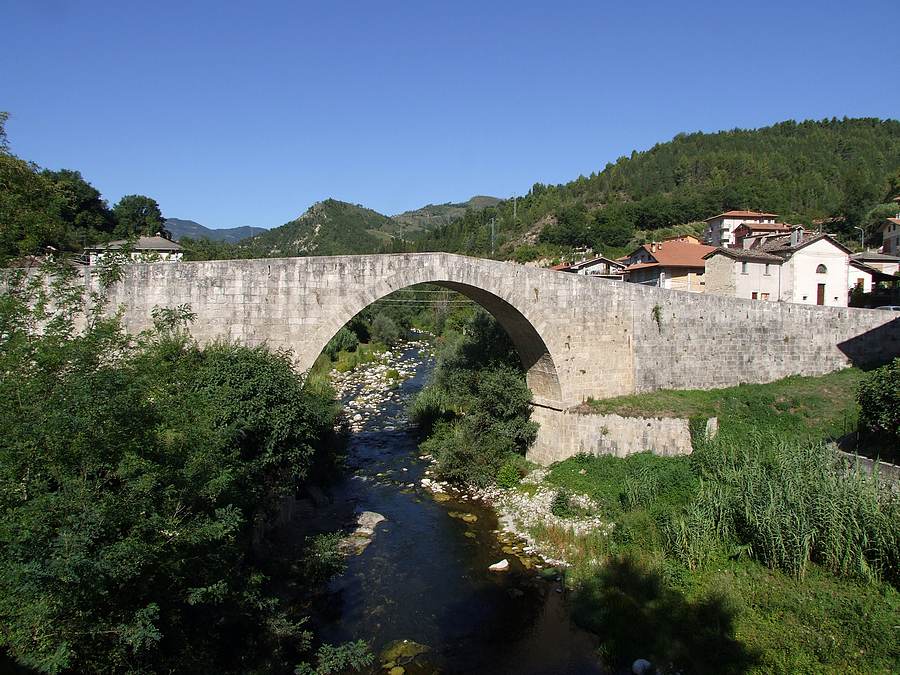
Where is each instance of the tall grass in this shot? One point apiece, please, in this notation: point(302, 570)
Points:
point(791, 503)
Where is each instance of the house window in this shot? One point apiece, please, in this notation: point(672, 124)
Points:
point(821, 269)
point(753, 295)
point(766, 272)
point(743, 268)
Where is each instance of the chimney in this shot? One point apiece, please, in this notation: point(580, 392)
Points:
point(796, 235)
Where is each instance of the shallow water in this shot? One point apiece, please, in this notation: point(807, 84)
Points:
point(425, 575)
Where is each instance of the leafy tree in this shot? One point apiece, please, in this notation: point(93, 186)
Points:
point(385, 330)
point(84, 208)
point(344, 340)
point(135, 475)
point(30, 210)
point(477, 407)
point(137, 215)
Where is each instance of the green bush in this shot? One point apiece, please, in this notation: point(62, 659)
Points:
point(385, 330)
point(508, 476)
point(879, 401)
point(344, 341)
point(477, 408)
point(561, 506)
point(135, 475)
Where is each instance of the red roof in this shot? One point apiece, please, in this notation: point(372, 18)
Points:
point(560, 267)
point(743, 214)
point(675, 253)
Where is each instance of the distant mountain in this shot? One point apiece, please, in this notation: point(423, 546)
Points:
point(330, 227)
point(435, 215)
point(189, 228)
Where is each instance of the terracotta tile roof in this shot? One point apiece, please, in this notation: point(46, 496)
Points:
point(742, 214)
point(642, 266)
point(676, 253)
point(560, 267)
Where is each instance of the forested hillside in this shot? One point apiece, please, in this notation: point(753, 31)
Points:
point(330, 227)
point(832, 169)
point(430, 216)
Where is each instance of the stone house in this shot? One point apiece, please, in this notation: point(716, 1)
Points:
point(720, 228)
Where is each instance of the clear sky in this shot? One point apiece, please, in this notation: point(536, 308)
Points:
point(245, 113)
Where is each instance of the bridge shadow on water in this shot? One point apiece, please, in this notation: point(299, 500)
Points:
point(637, 614)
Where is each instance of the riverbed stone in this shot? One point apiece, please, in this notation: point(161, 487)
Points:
point(501, 566)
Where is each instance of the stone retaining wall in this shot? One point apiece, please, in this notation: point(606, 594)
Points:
point(568, 433)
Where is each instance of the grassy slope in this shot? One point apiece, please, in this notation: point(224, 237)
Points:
point(798, 408)
point(733, 614)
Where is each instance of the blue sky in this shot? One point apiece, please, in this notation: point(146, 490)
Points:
point(246, 113)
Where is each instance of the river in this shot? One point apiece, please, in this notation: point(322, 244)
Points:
point(424, 577)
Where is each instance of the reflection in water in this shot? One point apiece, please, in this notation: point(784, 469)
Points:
point(425, 577)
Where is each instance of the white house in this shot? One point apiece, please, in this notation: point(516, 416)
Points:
point(720, 228)
point(144, 249)
point(801, 267)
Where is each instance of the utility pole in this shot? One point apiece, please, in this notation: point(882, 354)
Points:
point(515, 218)
point(493, 236)
point(862, 234)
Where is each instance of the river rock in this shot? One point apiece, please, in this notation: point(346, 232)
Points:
point(465, 517)
point(401, 652)
point(501, 566)
point(369, 519)
point(641, 667)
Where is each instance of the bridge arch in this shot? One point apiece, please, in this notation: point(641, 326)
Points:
point(540, 369)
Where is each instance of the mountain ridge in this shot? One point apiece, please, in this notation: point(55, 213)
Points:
point(180, 228)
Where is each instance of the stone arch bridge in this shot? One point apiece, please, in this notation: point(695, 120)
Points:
point(577, 337)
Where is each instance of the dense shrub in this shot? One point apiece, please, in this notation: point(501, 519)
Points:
point(344, 340)
point(385, 330)
point(879, 403)
point(134, 476)
point(477, 408)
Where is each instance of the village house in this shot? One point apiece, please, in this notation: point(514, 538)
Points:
point(676, 264)
point(720, 229)
point(144, 249)
point(802, 267)
point(599, 266)
point(890, 233)
point(888, 264)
